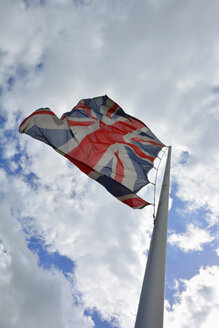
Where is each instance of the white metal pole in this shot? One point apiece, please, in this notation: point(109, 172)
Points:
point(151, 303)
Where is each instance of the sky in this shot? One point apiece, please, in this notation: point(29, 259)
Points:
point(71, 254)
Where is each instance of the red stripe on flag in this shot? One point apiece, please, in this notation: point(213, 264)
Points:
point(119, 169)
point(75, 123)
point(139, 152)
point(148, 141)
point(135, 202)
point(87, 109)
point(112, 109)
point(83, 167)
point(135, 122)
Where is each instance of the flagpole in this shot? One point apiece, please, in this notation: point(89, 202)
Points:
point(151, 303)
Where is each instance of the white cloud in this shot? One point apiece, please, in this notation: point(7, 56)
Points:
point(192, 240)
point(198, 186)
point(197, 304)
point(31, 296)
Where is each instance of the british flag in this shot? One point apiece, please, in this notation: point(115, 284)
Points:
point(110, 146)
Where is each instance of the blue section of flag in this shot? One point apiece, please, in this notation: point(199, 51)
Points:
point(77, 114)
point(114, 187)
point(53, 137)
point(96, 104)
point(149, 134)
point(150, 149)
point(141, 167)
point(107, 169)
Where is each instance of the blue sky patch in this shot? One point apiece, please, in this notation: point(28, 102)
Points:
point(184, 157)
point(10, 82)
point(100, 323)
point(39, 67)
point(181, 264)
point(50, 260)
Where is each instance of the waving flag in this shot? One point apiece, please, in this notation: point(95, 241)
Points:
point(110, 146)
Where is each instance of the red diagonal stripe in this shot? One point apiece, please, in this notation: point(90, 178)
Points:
point(79, 123)
point(112, 109)
point(148, 141)
point(135, 202)
point(139, 152)
point(83, 167)
point(87, 109)
point(119, 168)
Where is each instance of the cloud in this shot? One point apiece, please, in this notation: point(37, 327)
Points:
point(31, 296)
point(192, 240)
point(197, 304)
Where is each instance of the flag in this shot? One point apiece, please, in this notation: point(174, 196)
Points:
point(110, 146)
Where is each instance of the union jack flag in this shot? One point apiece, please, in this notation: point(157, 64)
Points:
point(110, 146)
